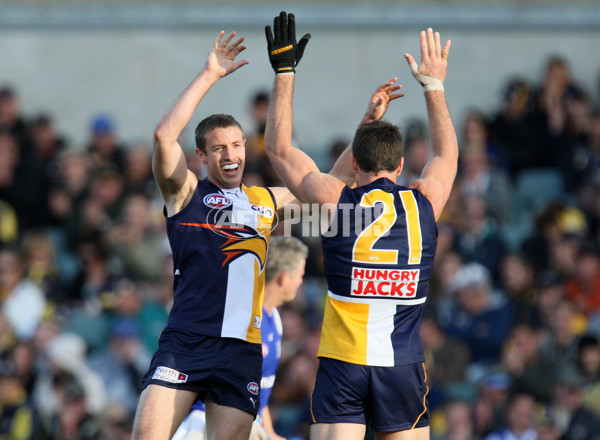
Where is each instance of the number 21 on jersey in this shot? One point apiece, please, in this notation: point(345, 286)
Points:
point(364, 251)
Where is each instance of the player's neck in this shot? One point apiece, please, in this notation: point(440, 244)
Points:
point(366, 178)
point(220, 185)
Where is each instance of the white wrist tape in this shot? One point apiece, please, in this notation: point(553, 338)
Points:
point(427, 82)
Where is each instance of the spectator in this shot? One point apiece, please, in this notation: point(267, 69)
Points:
point(550, 98)
point(123, 364)
point(588, 359)
point(447, 359)
point(103, 146)
point(583, 289)
point(478, 179)
point(22, 301)
point(560, 347)
point(479, 316)
point(459, 421)
point(41, 266)
point(138, 171)
point(114, 423)
point(547, 231)
point(547, 430)
point(518, 281)
point(585, 167)
point(479, 239)
point(417, 154)
point(18, 417)
point(520, 420)
point(22, 358)
point(98, 209)
point(513, 128)
point(574, 138)
point(71, 184)
point(588, 364)
point(563, 255)
point(45, 147)
point(68, 379)
point(136, 238)
point(476, 135)
point(529, 370)
point(550, 292)
point(10, 115)
point(572, 419)
point(72, 420)
point(95, 278)
point(20, 183)
point(494, 392)
point(484, 417)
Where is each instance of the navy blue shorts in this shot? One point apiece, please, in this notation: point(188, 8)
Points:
point(389, 398)
point(225, 370)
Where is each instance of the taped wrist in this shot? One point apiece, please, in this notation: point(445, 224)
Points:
point(428, 82)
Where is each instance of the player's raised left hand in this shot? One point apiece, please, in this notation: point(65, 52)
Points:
point(431, 72)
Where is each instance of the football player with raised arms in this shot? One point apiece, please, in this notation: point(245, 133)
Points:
point(219, 232)
point(378, 267)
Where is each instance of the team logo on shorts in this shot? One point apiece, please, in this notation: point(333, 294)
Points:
point(253, 388)
point(217, 201)
point(167, 374)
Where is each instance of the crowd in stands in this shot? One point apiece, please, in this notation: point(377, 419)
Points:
point(511, 326)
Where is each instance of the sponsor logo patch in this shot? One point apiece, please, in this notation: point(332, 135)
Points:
point(257, 321)
point(385, 282)
point(218, 201)
point(253, 388)
point(167, 374)
point(263, 210)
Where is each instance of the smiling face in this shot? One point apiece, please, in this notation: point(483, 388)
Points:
point(225, 156)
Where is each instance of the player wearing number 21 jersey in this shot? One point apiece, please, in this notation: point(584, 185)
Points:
point(378, 253)
point(378, 274)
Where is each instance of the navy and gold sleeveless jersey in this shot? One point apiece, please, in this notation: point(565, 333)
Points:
point(378, 258)
point(219, 243)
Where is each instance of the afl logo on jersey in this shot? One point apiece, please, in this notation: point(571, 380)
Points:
point(217, 201)
point(253, 388)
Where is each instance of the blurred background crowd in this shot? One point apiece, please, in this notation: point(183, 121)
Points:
point(511, 326)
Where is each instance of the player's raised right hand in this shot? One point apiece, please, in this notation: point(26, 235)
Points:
point(221, 59)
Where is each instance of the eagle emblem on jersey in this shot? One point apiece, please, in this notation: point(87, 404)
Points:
point(244, 240)
point(240, 240)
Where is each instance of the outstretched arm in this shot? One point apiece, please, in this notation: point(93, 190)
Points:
point(297, 170)
point(174, 180)
point(439, 173)
point(376, 109)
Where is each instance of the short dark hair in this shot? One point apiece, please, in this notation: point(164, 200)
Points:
point(377, 146)
point(219, 120)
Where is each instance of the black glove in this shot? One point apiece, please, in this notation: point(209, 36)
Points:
point(284, 51)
